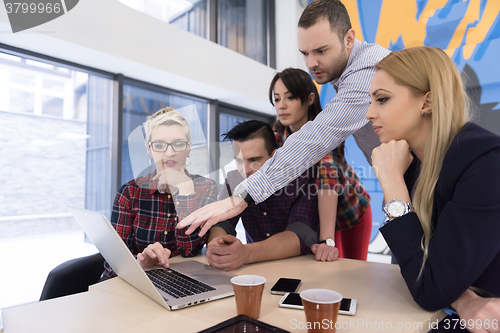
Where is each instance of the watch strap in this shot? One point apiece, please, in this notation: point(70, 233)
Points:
point(249, 200)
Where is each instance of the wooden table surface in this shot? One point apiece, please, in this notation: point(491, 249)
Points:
point(384, 303)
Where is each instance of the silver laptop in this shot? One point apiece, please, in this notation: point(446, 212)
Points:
point(183, 284)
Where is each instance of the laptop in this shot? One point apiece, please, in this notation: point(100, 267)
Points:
point(181, 285)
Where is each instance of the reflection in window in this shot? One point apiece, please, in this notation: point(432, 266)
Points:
point(53, 85)
point(193, 19)
point(42, 89)
point(242, 27)
point(189, 15)
point(52, 106)
point(55, 133)
point(19, 78)
point(22, 101)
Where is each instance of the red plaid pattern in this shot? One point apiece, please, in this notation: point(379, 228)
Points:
point(142, 216)
point(333, 172)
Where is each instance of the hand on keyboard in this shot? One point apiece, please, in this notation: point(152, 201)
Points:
point(154, 254)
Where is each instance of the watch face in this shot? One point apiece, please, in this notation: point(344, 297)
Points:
point(330, 242)
point(239, 191)
point(396, 208)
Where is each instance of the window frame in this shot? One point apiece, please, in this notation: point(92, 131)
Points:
point(270, 28)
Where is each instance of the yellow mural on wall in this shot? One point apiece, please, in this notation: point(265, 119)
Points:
point(398, 19)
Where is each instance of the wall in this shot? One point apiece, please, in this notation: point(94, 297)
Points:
point(287, 48)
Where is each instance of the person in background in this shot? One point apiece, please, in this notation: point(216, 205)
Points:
point(439, 174)
point(147, 209)
point(285, 225)
point(343, 203)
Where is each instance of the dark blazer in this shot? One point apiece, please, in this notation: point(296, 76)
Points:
point(465, 248)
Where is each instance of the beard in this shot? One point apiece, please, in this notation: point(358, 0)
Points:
point(335, 71)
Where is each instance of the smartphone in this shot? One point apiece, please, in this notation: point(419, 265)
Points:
point(293, 301)
point(285, 285)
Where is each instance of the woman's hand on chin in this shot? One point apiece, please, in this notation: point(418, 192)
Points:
point(391, 160)
point(174, 179)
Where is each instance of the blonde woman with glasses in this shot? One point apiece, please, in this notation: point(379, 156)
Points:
point(440, 177)
point(146, 210)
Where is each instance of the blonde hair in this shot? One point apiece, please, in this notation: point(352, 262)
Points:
point(425, 69)
point(167, 116)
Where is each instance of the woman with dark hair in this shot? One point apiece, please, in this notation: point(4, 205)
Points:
point(343, 203)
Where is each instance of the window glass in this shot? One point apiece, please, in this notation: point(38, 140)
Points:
point(52, 106)
point(53, 85)
point(46, 160)
point(242, 27)
point(21, 101)
point(55, 151)
point(189, 15)
point(19, 78)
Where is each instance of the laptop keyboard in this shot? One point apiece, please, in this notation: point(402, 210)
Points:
point(177, 284)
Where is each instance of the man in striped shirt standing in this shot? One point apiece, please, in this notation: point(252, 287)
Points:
point(333, 55)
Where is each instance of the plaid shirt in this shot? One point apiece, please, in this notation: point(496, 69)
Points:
point(142, 216)
point(334, 173)
point(293, 208)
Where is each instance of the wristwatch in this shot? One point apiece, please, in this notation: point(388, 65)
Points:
point(328, 241)
point(397, 208)
point(241, 192)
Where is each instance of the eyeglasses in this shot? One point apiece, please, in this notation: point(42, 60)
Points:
point(161, 147)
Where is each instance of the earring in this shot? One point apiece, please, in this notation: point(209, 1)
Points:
point(151, 162)
point(189, 161)
point(424, 114)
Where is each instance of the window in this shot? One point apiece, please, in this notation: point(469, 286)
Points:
point(189, 15)
point(192, 18)
point(55, 124)
point(242, 27)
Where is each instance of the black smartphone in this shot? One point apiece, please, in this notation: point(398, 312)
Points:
point(293, 301)
point(285, 285)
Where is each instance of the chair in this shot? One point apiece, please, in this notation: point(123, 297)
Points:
point(73, 276)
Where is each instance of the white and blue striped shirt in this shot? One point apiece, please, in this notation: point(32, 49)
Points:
point(343, 116)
